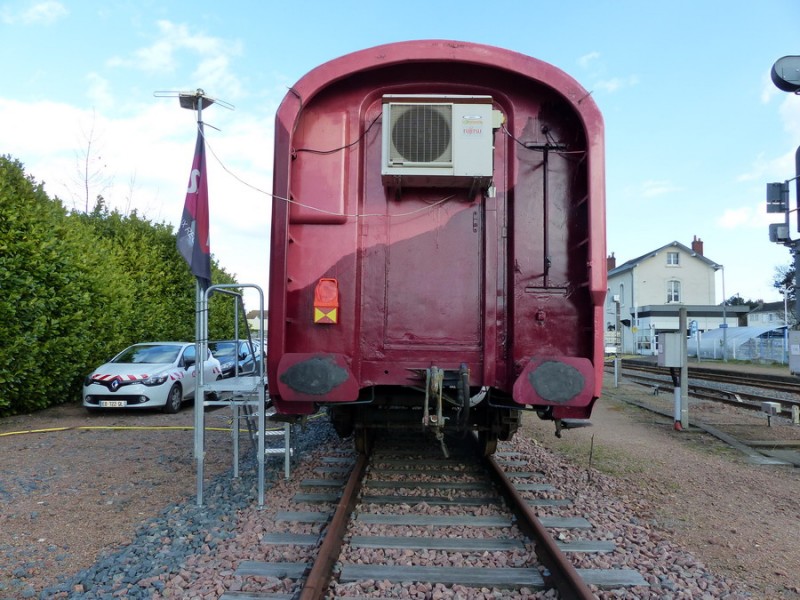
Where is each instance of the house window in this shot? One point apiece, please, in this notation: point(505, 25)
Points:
point(622, 294)
point(673, 291)
point(673, 259)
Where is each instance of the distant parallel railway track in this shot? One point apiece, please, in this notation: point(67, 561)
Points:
point(774, 388)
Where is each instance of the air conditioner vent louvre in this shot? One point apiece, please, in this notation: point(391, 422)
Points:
point(422, 133)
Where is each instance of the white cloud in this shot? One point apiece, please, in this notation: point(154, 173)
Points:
point(143, 162)
point(748, 217)
point(34, 13)
point(215, 74)
point(735, 217)
point(790, 115)
point(768, 89)
point(610, 85)
point(587, 59)
point(652, 188)
point(99, 92)
point(779, 168)
point(616, 83)
point(163, 56)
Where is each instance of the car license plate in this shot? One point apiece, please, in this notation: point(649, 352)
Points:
point(113, 403)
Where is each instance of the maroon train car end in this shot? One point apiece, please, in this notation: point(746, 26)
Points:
point(438, 243)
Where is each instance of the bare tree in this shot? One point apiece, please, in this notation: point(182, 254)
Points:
point(131, 190)
point(91, 169)
point(784, 280)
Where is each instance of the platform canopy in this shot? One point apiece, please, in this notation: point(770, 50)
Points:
point(743, 343)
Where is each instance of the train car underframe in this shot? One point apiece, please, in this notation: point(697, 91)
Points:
point(442, 403)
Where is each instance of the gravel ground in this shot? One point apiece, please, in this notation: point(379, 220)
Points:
point(742, 520)
point(107, 513)
point(111, 500)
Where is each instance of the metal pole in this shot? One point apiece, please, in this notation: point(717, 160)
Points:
point(199, 409)
point(235, 437)
point(262, 424)
point(682, 318)
point(199, 365)
point(618, 333)
point(785, 353)
point(796, 253)
point(724, 320)
point(697, 343)
point(635, 324)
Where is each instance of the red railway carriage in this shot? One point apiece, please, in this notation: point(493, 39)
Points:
point(438, 242)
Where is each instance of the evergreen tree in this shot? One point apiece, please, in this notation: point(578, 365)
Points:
point(77, 288)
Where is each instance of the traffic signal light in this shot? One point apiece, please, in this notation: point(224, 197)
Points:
point(777, 197)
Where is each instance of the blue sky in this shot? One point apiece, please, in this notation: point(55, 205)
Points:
point(694, 127)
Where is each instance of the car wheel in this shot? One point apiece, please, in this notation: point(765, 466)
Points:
point(174, 399)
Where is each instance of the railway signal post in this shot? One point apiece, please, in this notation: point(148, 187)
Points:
point(786, 77)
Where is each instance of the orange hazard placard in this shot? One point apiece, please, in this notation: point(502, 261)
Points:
point(326, 301)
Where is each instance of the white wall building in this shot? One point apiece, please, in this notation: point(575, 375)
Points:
point(255, 320)
point(771, 314)
point(653, 287)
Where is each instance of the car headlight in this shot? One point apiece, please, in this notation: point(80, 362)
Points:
point(226, 365)
point(88, 380)
point(154, 380)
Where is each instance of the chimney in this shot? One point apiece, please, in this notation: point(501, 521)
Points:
point(611, 262)
point(697, 246)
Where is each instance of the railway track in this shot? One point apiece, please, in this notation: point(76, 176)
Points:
point(648, 374)
point(407, 519)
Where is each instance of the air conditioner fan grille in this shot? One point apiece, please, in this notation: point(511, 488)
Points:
point(421, 133)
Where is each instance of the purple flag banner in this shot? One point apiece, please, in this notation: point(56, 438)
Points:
point(193, 234)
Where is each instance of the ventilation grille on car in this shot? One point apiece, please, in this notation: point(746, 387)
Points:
point(421, 134)
point(436, 140)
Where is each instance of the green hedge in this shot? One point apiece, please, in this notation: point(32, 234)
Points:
point(75, 289)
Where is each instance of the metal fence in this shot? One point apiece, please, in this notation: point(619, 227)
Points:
point(765, 349)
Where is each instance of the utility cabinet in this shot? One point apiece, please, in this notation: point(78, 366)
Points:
point(794, 352)
point(670, 350)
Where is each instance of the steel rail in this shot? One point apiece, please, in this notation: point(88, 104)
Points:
point(318, 580)
point(700, 392)
point(769, 382)
point(783, 383)
point(649, 376)
point(562, 574)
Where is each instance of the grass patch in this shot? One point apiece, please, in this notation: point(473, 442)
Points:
point(583, 448)
point(605, 458)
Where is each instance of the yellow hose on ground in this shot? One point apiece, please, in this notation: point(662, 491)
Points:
point(111, 428)
point(132, 428)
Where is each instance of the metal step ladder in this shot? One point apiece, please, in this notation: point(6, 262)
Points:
point(242, 395)
point(279, 441)
point(246, 395)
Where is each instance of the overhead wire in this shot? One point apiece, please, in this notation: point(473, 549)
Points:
point(346, 146)
point(551, 144)
point(315, 208)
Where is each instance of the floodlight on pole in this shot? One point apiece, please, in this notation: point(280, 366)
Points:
point(785, 74)
point(196, 100)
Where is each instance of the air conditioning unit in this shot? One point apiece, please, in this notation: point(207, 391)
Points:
point(437, 141)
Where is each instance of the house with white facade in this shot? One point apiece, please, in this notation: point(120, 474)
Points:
point(255, 319)
point(650, 289)
point(771, 314)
